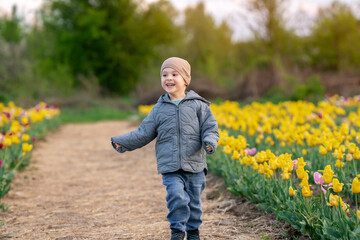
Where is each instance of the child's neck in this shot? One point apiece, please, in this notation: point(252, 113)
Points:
point(174, 97)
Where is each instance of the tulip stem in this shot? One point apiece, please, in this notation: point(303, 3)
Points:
point(20, 161)
point(354, 168)
point(321, 194)
point(356, 204)
point(6, 149)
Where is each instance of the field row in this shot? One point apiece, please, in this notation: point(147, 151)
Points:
point(19, 129)
point(299, 160)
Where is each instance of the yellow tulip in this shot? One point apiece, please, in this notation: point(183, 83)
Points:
point(235, 155)
point(356, 155)
point(358, 214)
point(328, 146)
point(301, 172)
point(227, 150)
point(15, 139)
point(342, 148)
point(285, 175)
point(345, 208)
point(328, 174)
point(24, 120)
point(7, 142)
point(339, 164)
point(292, 192)
point(322, 150)
point(338, 154)
point(334, 200)
point(337, 186)
point(261, 156)
point(355, 186)
point(306, 192)
point(305, 180)
point(25, 137)
point(349, 157)
point(27, 147)
point(352, 148)
point(304, 152)
point(255, 166)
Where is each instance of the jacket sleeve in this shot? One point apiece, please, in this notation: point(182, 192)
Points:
point(209, 128)
point(138, 138)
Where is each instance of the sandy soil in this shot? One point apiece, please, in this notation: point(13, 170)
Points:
point(78, 187)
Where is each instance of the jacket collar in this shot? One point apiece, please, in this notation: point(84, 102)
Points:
point(190, 95)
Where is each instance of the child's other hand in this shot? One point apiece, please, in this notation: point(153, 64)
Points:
point(117, 145)
point(209, 148)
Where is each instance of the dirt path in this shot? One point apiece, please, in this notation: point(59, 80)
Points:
point(78, 187)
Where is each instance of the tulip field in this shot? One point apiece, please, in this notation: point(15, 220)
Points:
point(20, 128)
point(299, 160)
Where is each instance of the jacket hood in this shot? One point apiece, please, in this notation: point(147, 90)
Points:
point(190, 95)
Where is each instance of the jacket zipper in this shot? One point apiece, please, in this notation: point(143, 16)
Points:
point(179, 138)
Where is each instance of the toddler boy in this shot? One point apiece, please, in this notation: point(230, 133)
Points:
point(186, 130)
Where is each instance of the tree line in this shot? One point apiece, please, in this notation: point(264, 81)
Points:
point(117, 46)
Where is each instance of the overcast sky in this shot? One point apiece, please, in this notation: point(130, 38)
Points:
point(230, 10)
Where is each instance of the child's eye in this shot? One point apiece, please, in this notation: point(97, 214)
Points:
point(174, 74)
point(164, 75)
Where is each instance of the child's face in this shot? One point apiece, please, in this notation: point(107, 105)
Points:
point(172, 82)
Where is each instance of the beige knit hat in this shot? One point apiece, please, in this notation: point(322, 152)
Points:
point(180, 65)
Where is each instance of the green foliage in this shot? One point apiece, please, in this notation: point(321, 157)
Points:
point(11, 53)
point(334, 42)
point(79, 115)
point(111, 40)
point(117, 47)
point(311, 89)
point(203, 42)
point(10, 28)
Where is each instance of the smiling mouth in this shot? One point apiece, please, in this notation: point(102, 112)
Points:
point(170, 84)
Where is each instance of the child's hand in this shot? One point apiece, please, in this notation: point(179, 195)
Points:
point(117, 145)
point(209, 148)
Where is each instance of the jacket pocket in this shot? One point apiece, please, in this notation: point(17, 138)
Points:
point(194, 149)
point(165, 150)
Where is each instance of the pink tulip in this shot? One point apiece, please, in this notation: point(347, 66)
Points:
point(323, 189)
point(33, 139)
point(23, 113)
point(250, 151)
point(294, 165)
point(317, 178)
point(1, 163)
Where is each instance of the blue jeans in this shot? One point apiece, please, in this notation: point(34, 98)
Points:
point(183, 199)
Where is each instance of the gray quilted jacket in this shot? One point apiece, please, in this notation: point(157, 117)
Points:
point(182, 132)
